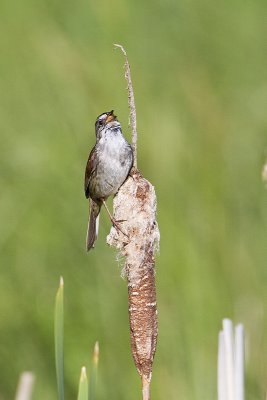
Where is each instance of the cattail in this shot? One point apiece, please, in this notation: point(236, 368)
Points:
point(135, 204)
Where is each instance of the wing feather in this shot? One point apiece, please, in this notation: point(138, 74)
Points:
point(89, 171)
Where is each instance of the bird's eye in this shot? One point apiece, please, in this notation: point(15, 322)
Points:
point(101, 122)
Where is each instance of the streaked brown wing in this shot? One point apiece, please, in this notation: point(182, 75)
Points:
point(89, 170)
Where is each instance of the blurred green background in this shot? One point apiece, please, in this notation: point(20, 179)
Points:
point(200, 80)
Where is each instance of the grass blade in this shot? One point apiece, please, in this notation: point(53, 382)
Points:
point(83, 386)
point(239, 363)
point(92, 389)
point(59, 339)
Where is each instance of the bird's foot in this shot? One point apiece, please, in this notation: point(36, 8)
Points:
point(113, 221)
point(117, 227)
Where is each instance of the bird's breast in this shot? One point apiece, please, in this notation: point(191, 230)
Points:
point(114, 163)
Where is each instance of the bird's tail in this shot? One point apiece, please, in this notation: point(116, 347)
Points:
point(93, 223)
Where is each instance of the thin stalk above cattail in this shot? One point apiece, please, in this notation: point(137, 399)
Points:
point(131, 102)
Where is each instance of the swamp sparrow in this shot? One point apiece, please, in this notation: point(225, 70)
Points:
point(108, 166)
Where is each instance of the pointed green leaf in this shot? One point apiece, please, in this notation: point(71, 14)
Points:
point(59, 339)
point(93, 376)
point(83, 386)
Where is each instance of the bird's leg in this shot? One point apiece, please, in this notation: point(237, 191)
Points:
point(113, 221)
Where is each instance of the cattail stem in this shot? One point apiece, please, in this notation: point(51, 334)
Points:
point(145, 388)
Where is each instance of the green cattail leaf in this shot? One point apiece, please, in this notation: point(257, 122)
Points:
point(92, 389)
point(59, 339)
point(83, 386)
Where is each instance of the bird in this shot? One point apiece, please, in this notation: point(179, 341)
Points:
point(107, 168)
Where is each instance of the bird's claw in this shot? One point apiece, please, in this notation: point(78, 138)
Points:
point(117, 227)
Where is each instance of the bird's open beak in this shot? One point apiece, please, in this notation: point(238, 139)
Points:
point(110, 117)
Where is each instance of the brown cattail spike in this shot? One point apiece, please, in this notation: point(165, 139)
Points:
point(135, 204)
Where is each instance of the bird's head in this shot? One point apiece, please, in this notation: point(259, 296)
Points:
point(106, 119)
